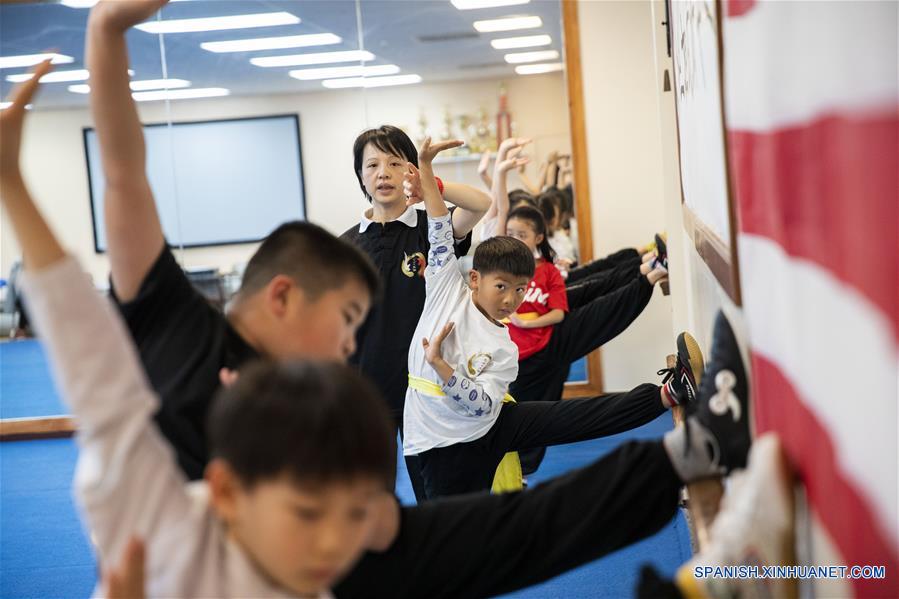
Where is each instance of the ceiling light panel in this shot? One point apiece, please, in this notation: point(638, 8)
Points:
point(353, 71)
point(54, 77)
point(536, 69)
point(371, 81)
point(508, 24)
point(29, 60)
point(78, 3)
point(138, 86)
point(297, 60)
point(473, 4)
point(527, 41)
point(272, 43)
point(522, 57)
point(268, 19)
point(180, 94)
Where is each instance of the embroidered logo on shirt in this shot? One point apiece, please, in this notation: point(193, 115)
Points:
point(478, 362)
point(413, 265)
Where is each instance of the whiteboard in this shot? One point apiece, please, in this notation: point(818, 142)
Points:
point(215, 182)
point(701, 133)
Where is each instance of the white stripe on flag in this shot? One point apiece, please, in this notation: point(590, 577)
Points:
point(840, 357)
point(786, 63)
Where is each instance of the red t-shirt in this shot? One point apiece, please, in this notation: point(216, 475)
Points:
point(546, 292)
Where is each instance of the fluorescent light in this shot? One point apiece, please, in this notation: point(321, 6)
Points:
point(371, 81)
point(5, 105)
point(138, 86)
point(148, 84)
point(29, 60)
point(528, 41)
point(520, 57)
point(54, 77)
point(354, 71)
point(78, 3)
point(180, 94)
point(508, 24)
point(535, 69)
point(272, 43)
point(267, 19)
point(296, 60)
point(470, 4)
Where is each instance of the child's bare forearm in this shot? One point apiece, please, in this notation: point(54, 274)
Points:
point(500, 194)
point(115, 116)
point(40, 248)
point(550, 318)
point(133, 229)
point(442, 368)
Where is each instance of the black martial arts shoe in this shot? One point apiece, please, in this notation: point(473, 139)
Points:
point(661, 258)
point(722, 405)
point(682, 380)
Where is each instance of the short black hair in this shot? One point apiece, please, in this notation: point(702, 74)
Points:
point(318, 423)
point(386, 138)
point(314, 258)
point(505, 255)
point(520, 195)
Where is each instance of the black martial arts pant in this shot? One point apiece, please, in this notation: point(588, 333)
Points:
point(482, 545)
point(469, 467)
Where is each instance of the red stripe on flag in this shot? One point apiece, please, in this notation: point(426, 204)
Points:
point(827, 191)
point(736, 8)
point(843, 511)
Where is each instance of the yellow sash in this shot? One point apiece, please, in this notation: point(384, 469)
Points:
point(508, 476)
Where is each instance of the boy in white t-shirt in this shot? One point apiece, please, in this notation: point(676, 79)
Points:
point(454, 417)
point(460, 373)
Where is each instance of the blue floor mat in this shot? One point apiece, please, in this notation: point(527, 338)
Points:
point(578, 371)
point(43, 549)
point(615, 575)
point(25, 386)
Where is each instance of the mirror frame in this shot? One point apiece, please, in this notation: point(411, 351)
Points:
point(579, 164)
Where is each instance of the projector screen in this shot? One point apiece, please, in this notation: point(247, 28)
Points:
point(215, 182)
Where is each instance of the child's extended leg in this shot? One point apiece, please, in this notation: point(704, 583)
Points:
point(611, 261)
point(625, 410)
point(598, 322)
point(537, 424)
point(601, 283)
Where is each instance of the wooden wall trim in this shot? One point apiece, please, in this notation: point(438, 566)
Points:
point(580, 170)
point(16, 429)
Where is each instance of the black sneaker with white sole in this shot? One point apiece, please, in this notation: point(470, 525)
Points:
point(682, 381)
point(722, 406)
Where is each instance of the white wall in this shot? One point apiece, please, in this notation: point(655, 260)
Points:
point(625, 168)
point(54, 164)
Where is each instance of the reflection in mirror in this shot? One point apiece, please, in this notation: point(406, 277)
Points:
point(482, 75)
point(271, 127)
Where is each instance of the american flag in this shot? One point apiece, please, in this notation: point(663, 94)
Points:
point(812, 119)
